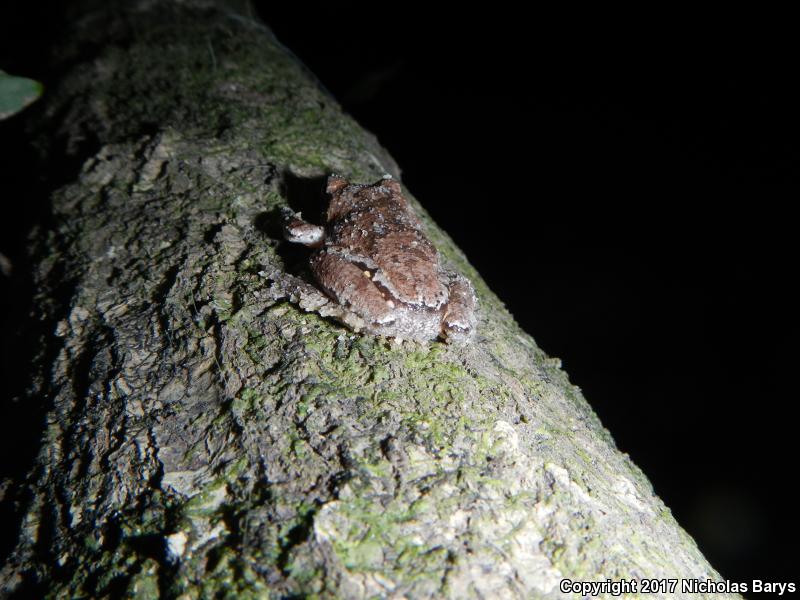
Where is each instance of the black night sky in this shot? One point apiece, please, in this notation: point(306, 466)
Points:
point(625, 184)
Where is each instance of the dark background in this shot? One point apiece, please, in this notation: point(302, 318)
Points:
point(625, 183)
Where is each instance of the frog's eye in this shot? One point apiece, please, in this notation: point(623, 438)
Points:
point(298, 231)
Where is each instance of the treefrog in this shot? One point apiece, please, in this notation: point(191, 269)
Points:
point(378, 270)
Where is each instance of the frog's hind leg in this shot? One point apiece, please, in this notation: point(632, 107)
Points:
point(352, 287)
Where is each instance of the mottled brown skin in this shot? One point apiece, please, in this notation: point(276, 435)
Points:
point(374, 260)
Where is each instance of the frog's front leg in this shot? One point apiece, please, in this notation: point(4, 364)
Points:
point(352, 287)
point(288, 287)
point(458, 322)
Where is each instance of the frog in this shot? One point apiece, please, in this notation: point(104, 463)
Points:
point(375, 270)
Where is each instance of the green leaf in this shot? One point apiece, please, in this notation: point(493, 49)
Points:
point(16, 93)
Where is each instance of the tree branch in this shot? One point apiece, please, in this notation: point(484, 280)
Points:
point(202, 439)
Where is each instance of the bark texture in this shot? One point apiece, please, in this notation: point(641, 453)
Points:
point(203, 440)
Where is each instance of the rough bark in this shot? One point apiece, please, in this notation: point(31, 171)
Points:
point(202, 440)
